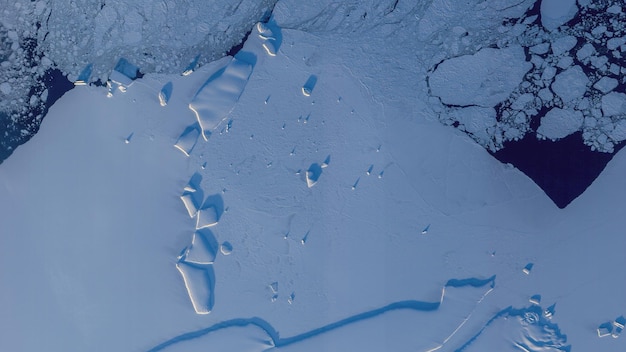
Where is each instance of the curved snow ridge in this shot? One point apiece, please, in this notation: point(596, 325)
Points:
point(277, 341)
point(527, 329)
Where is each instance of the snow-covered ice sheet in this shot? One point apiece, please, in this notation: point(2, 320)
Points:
point(404, 213)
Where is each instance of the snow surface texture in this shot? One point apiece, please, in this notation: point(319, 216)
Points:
point(347, 212)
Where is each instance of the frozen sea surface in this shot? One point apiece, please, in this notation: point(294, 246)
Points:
point(313, 190)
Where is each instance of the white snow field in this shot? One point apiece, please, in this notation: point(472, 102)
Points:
point(347, 218)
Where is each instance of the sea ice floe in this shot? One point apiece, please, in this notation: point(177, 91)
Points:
point(165, 93)
point(613, 104)
point(559, 123)
point(484, 79)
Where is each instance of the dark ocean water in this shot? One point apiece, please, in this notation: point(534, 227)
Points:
point(564, 169)
point(11, 135)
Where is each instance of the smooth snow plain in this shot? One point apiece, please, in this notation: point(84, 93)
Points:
point(339, 215)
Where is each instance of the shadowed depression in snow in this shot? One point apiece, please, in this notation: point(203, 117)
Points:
point(280, 175)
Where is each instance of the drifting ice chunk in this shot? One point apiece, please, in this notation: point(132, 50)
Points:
point(326, 162)
point(192, 195)
point(619, 322)
point(192, 66)
point(84, 76)
point(124, 73)
point(190, 204)
point(528, 268)
point(207, 217)
point(199, 283)
point(130, 136)
point(571, 84)
point(226, 248)
point(122, 76)
point(477, 121)
point(194, 184)
point(313, 174)
point(307, 88)
point(554, 13)
point(605, 329)
point(271, 36)
point(188, 139)
point(5, 88)
point(165, 93)
point(563, 44)
point(606, 84)
point(560, 123)
point(549, 312)
point(264, 31)
point(203, 248)
point(613, 104)
point(218, 96)
point(535, 299)
point(484, 79)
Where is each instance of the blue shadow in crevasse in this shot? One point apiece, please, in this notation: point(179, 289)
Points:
point(280, 342)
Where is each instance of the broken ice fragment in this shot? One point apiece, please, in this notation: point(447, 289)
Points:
point(188, 139)
point(326, 162)
point(130, 136)
point(535, 299)
point(313, 174)
point(549, 312)
point(606, 84)
point(226, 248)
point(85, 75)
point(165, 93)
point(190, 204)
point(605, 329)
point(200, 284)
point(264, 31)
point(270, 47)
point(528, 268)
point(309, 85)
point(217, 97)
point(207, 217)
point(192, 66)
point(203, 248)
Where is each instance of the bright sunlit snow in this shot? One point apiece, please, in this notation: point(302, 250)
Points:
point(327, 188)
